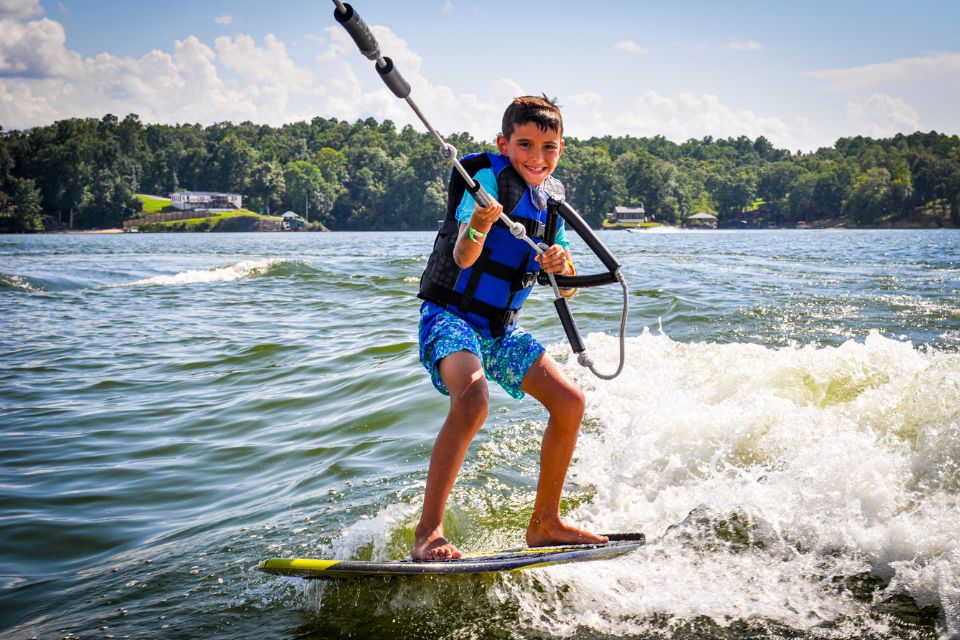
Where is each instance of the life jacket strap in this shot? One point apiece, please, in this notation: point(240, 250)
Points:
point(534, 228)
point(518, 280)
point(498, 319)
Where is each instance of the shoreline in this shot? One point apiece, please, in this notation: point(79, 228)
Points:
point(836, 227)
point(929, 223)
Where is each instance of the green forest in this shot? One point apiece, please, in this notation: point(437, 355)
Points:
point(368, 175)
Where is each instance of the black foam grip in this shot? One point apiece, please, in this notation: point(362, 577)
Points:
point(392, 78)
point(584, 231)
point(359, 31)
point(569, 325)
point(584, 281)
point(479, 194)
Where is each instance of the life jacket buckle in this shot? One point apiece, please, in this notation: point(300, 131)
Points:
point(528, 280)
point(510, 316)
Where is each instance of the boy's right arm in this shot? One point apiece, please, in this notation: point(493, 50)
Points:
point(469, 245)
point(466, 251)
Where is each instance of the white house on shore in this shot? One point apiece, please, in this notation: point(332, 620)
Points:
point(188, 200)
point(627, 216)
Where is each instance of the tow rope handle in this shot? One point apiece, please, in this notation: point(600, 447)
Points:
point(611, 276)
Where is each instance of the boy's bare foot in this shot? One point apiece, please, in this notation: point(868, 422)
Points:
point(545, 534)
point(433, 547)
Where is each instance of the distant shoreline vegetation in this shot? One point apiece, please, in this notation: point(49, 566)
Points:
point(158, 215)
point(367, 175)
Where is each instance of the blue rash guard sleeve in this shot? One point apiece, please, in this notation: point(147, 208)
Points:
point(488, 181)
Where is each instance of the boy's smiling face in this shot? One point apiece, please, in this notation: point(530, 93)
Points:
point(533, 153)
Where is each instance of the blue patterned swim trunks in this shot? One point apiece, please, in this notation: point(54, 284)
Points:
point(505, 359)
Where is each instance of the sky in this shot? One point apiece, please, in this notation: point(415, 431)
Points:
point(802, 74)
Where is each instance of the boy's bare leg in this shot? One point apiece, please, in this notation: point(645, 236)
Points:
point(565, 402)
point(462, 374)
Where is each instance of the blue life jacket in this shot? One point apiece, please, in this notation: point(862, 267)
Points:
point(490, 293)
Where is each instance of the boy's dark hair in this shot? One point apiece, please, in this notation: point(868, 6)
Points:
point(541, 110)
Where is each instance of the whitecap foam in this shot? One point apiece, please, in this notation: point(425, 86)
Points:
point(842, 460)
point(374, 533)
point(18, 283)
point(229, 273)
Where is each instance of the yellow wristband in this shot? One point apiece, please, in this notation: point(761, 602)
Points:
point(569, 292)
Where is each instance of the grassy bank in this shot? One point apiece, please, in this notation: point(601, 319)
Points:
point(153, 204)
point(239, 220)
point(605, 224)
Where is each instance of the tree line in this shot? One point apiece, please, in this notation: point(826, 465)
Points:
point(368, 175)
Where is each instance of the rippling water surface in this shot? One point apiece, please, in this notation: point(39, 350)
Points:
point(175, 408)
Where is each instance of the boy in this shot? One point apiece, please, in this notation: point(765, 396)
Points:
point(474, 285)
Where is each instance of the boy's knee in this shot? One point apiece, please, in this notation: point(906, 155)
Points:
point(579, 398)
point(473, 400)
point(578, 401)
point(572, 403)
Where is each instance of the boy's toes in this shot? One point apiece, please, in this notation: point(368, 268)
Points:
point(434, 549)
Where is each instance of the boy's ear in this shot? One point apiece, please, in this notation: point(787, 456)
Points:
point(502, 144)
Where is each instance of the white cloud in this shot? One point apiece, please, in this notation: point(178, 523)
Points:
point(744, 45)
point(19, 9)
point(583, 115)
point(350, 95)
point(269, 64)
point(629, 46)
point(680, 118)
point(225, 20)
point(588, 99)
point(447, 7)
point(505, 90)
point(42, 81)
point(240, 79)
point(35, 50)
point(878, 94)
point(939, 67)
point(882, 116)
point(21, 106)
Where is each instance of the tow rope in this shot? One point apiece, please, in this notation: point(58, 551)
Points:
point(369, 47)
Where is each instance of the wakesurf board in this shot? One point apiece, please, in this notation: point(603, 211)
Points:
point(486, 562)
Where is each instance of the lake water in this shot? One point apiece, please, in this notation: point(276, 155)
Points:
point(175, 408)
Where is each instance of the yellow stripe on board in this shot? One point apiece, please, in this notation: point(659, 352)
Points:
point(535, 565)
point(308, 564)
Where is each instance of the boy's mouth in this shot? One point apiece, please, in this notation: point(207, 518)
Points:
point(535, 170)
